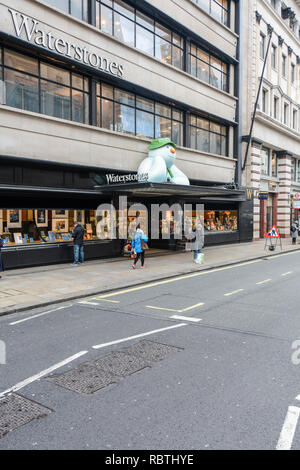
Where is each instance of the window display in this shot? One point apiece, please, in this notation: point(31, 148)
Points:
point(39, 226)
point(224, 220)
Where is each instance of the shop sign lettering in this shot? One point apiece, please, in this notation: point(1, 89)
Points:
point(29, 27)
point(112, 178)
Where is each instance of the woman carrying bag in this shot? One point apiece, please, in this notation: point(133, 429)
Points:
point(139, 245)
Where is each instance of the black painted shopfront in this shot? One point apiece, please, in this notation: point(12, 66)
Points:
point(40, 201)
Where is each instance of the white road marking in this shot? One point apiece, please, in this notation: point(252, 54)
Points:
point(192, 319)
point(38, 315)
point(88, 303)
point(289, 427)
point(113, 301)
point(234, 292)
point(263, 282)
point(99, 346)
point(285, 274)
point(38, 376)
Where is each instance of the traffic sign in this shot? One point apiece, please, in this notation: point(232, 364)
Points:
point(272, 233)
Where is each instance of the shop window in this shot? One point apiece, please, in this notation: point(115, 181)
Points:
point(208, 136)
point(41, 226)
point(37, 86)
point(132, 114)
point(220, 220)
point(293, 169)
point(132, 27)
point(208, 68)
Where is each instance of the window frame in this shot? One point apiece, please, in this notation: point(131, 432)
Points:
point(86, 111)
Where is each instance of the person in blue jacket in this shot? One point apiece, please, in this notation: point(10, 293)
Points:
point(137, 246)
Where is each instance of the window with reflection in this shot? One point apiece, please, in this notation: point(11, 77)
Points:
point(131, 26)
point(37, 86)
point(219, 9)
point(264, 161)
point(208, 68)
point(77, 8)
point(208, 136)
point(128, 113)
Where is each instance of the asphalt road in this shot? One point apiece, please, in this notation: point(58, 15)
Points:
point(231, 385)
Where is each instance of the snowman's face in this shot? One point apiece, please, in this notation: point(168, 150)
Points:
point(169, 154)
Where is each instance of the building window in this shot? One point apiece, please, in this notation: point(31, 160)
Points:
point(273, 3)
point(276, 107)
point(128, 113)
point(283, 68)
point(295, 119)
point(264, 164)
point(293, 169)
point(208, 136)
point(77, 8)
point(265, 101)
point(131, 26)
point(219, 9)
point(286, 114)
point(274, 164)
point(293, 68)
point(273, 56)
point(298, 171)
point(37, 86)
point(208, 68)
point(262, 40)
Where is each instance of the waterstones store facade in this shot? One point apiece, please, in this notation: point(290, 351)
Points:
point(85, 85)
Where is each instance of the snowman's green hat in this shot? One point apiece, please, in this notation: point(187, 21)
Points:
point(158, 143)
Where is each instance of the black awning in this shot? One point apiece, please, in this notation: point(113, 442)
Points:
point(154, 190)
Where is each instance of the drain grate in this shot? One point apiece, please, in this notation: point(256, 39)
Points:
point(94, 375)
point(16, 410)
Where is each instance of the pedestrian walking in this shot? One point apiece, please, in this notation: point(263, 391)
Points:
point(77, 235)
point(197, 243)
point(1, 246)
point(294, 232)
point(139, 245)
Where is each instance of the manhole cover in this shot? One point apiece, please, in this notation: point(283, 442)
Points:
point(94, 375)
point(15, 411)
point(150, 351)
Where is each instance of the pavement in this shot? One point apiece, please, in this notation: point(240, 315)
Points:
point(24, 289)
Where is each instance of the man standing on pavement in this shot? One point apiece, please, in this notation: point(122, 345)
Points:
point(77, 235)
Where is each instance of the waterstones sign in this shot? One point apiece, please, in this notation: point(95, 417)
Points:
point(28, 27)
point(112, 178)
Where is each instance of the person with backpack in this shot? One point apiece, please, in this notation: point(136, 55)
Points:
point(294, 232)
point(139, 245)
point(78, 234)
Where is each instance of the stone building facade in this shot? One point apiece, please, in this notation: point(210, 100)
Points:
point(273, 164)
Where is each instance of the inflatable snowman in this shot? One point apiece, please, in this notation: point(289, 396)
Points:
point(160, 166)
